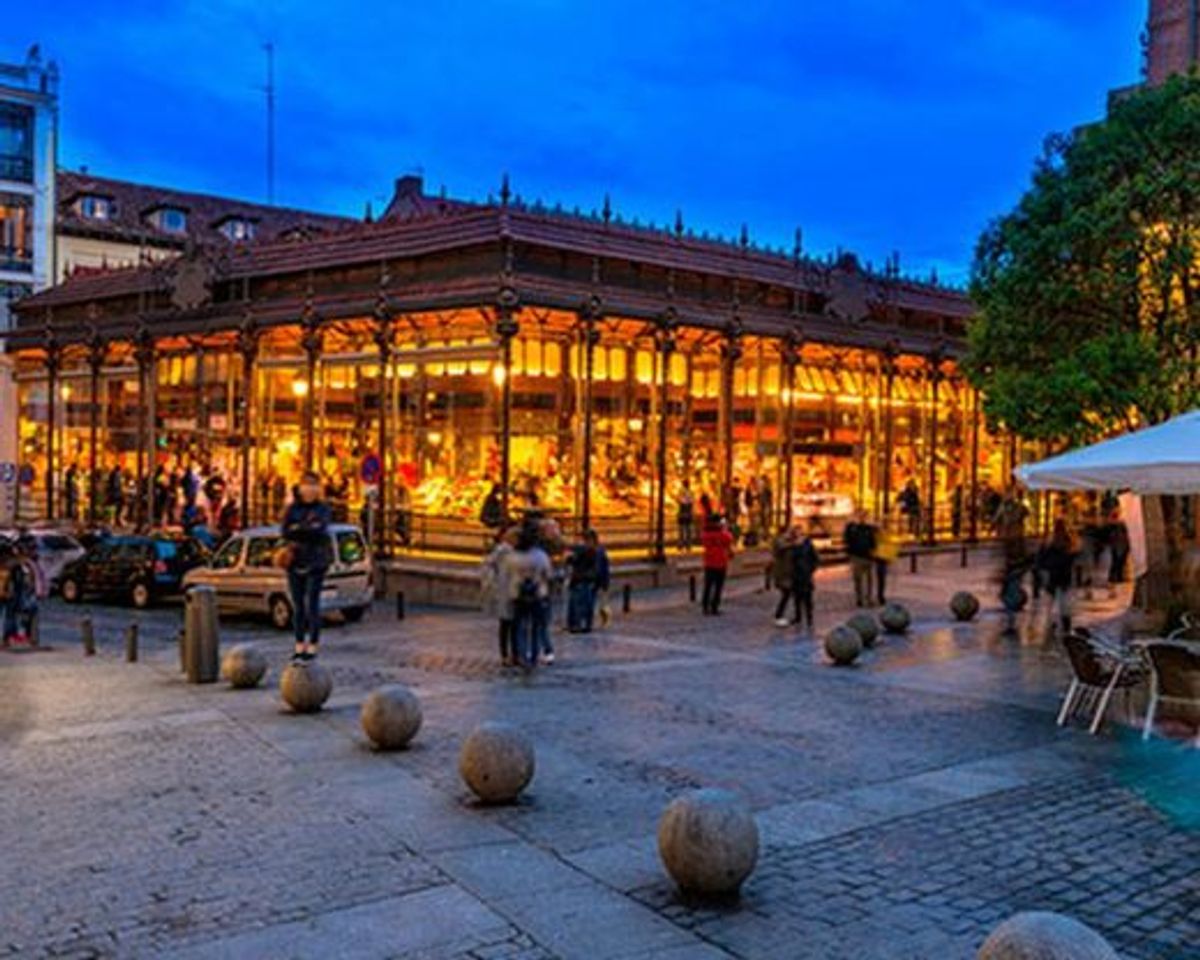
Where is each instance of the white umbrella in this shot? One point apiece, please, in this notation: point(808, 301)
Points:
point(1163, 460)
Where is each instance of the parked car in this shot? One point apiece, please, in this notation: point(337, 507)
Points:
point(141, 569)
point(54, 550)
point(246, 580)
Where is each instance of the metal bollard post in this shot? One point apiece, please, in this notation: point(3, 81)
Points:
point(203, 642)
point(626, 597)
point(692, 588)
point(912, 561)
point(131, 643)
point(88, 634)
point(399, 604)
point(35, 630)
point(964, 560)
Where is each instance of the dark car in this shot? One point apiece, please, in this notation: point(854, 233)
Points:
point(139, 569)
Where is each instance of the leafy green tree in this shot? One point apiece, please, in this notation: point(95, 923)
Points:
point(1089, 291)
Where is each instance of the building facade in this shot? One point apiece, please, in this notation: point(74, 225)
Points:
point(599, 372)
point(1172, 38)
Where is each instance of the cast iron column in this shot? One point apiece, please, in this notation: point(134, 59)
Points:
point(935, 379)
point(791, 359)
point(310, 343)
point(95, 361)
point(507, 327)
point(888, 359)
point(143, 352)
point(666, 346)
point(731, 352)
point(247, 347)
point(384, 333)
point(53, 359)
point(590, 316)
point(974, 534)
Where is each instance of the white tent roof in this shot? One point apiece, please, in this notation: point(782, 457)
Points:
point(1158, 460)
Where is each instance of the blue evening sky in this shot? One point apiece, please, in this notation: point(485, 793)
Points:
point(875, 125)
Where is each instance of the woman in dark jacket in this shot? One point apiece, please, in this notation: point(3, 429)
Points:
point(306, 530)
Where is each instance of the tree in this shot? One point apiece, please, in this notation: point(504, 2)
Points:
point(1089, 291)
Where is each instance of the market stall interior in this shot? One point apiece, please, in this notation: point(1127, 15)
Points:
point(601, 372)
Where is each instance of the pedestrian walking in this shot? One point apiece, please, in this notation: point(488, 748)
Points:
point(18, 595)
point(1058, 562)
point(781, 572)
point(1118, 550)
point(71, 492)
point(603, 579)
point(307, 558)
point(496, 592)
point(529, 576)
point(581, 585)
point(910, 507)
point(718, 554)
point(805, 561)
point(114, 496)
point(686, 517)
point(859, 538)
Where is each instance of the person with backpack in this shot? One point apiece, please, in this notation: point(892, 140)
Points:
point(306, 534)
point(717, 542)
point(529, 573)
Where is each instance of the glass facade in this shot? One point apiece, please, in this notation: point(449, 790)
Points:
point(592, 431)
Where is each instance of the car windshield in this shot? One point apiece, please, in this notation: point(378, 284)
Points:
point(262, 552)
point(57, 541)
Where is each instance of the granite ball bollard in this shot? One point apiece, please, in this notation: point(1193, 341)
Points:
point(305, 686)
point(843, 645)
point(391, 716)
point(895, 618)
point(496, 762)
point(1045, 936)
point(708, 843)
point(964, 606)
point(244, 666)
point(867, 627)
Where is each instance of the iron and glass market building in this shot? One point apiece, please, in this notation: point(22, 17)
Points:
point(587, 366)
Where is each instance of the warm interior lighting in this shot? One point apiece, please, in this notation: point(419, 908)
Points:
point(66, 391)
point(498, 375)
point(300, 387)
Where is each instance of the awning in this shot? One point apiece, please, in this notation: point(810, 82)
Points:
point(1162, 460)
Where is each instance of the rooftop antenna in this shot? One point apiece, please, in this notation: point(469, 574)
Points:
point(269, 90)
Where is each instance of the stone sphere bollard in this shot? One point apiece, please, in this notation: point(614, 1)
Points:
point(895, 618)
point(843, 645)
point(867, 627)
point(244, 666)
point(1045, 936)
point(496, 762)
point(964, 606)
point(391, 716)
point(708, 842)
point(305, 686)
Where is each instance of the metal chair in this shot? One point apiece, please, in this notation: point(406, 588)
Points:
point(1174, 678)
point(1098, 669)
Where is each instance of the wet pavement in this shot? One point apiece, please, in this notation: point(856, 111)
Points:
point(906, 805)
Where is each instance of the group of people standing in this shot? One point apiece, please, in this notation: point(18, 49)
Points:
point(747, 510)
point(19, 590)
point(521, 583)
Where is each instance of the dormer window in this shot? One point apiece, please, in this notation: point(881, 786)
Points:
point(93, 207)
point(238, 229)
point(170, 219)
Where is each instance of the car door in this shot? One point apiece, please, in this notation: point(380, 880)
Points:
point(98, 571)
point(224, 574)
point(261, 578)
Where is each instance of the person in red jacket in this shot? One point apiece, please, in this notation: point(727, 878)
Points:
point(717, 542)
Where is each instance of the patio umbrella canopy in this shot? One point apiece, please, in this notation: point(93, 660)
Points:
point(1162, 460)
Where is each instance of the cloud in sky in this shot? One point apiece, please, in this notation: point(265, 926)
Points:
point(873, 124)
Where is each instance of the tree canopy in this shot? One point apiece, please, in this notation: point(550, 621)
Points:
point(1089, 291)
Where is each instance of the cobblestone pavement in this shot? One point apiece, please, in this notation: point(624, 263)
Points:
point(906, 805)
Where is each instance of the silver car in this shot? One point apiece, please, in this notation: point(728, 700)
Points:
point(244, 575)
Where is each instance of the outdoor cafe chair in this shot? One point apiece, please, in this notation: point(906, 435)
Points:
point(1174, 678)
point(1098, 668)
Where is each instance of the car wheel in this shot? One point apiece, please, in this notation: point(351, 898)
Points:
point(281, 612)
point(140, 595)
point(70, 590)
point(354, 614)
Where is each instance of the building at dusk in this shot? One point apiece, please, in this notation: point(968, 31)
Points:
point(586, 366)
point(1172, 38)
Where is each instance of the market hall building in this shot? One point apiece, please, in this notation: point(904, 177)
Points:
point(587, 367)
